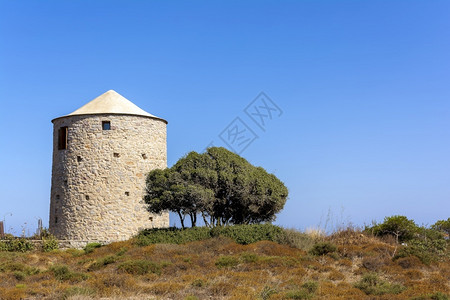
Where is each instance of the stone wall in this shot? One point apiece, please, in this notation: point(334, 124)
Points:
point(98, 182)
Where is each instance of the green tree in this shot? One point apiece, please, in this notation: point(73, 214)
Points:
point(221, 186)
point(442, 225)
point(400, 227)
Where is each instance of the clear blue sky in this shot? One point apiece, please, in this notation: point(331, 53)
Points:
point(363, 86)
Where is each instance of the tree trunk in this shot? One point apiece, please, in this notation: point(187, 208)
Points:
point(181, 219)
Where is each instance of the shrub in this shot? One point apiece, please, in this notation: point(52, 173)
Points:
point(296, 239)
point(371, 284)
point(427, 251)
point(247, 234)
point(249, 257)
point(89, 248)
point(172, 235)
point(49, 243)
point(400, 227)
point(78, 291)
point(13, 244)
point(139, 267)
point(442, 225)
point(323, 248)
point(62, 273)
point(226, 261)
point(102, 262)
point(306, 291)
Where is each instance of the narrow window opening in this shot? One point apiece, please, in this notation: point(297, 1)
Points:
point(116, 155)
point(65, 182)
point(150, 218)
point(127, 193)
point(87, 197)
point(56, 220)
point(79, 158)
point(62, 138)
point(106, 125)
point(144, 156)
point(57, 197)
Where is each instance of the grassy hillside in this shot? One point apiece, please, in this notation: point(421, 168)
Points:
point(345, 265)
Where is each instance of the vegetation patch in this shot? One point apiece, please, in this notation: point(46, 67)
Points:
point(139, 267)
point(371, 284)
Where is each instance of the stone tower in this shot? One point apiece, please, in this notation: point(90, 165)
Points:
point(101, 155)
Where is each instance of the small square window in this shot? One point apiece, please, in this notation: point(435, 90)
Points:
point(106, 125)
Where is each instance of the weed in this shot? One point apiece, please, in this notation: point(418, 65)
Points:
point(63, 273)
point(102, 262)
point(267, 292)
point(249, 257)
point(89, 248)
point(226, 261)
point(322, 248)
point(78, 291)
point(371, 284)
point(139, 267)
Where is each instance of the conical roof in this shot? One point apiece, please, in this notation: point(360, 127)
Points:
point(111, 102)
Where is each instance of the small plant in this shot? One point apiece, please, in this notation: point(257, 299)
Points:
point(267, 292)
point(371, 284)
point(49, 243)
point(12, 244)
point(249, 257)
point(198, 283)
point(89, 248)
point(139, 267)
point(226, 261)
point(102, 262)
point(78, 291)
point(323, 248)
point(62, 273)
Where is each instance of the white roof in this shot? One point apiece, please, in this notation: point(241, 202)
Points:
point(111, 102)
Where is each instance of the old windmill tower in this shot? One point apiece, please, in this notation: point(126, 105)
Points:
point(101, 154)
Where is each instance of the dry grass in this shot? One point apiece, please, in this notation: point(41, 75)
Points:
point(221, 269)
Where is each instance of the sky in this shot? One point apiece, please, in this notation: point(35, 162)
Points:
point(356, 121)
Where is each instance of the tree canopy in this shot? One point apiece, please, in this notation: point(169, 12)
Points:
point(220, 186)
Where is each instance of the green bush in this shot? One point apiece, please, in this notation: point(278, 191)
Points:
point(399, 227)
point(247, 234)
point(226, 261)
point(139, 267)
point(442, 225)
point(323, 248)
point(371, 284)
point(63, 273)
point(427, 251)
point(172, 235)
point(18, 267)
point(89, 248)
point(49, 243)
point(307, 291)
point(434, 296)
point(102, 262)
point(13, 244)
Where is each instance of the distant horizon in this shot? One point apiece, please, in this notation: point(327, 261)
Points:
point(346, 102)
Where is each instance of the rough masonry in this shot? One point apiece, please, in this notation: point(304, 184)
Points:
point(101, 155)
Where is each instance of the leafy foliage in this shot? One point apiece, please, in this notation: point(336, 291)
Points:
point(323, 248)
point(219, 185)
point(442, 225)
point(172, 235)
point(371, 284)
point(13, 244)
point(139, 267)
point(89, 248)
point(400, 227)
